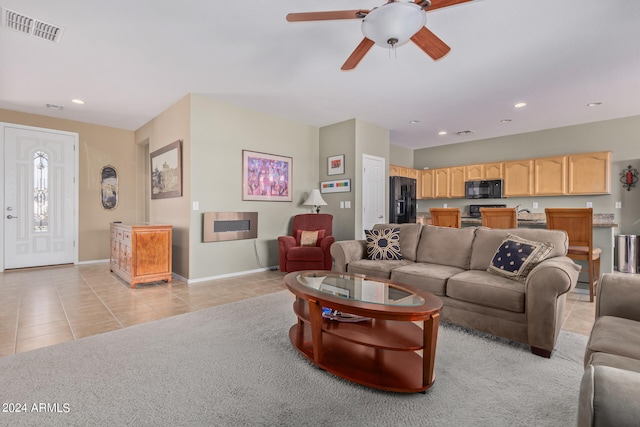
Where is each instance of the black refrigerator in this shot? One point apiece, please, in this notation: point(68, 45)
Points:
point(402, 200)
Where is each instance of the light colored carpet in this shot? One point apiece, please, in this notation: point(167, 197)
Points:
point(234, 365)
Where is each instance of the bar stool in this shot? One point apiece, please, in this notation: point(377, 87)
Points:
point(578, 223)
point(499, 217)
point(446, 217)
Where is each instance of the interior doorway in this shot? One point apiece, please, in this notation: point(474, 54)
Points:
point(374, 189)
point(40, 196)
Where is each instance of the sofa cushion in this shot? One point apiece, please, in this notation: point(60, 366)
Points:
point(429, 277)
point(375, 268)
point(484, 288)
point(383, 244)
point(516, 257)
point(409, 236)
point(615, 335)
point(615, 361)
point(445, 246)
point(487, 240)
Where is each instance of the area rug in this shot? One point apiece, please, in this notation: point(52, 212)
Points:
point(233, 365)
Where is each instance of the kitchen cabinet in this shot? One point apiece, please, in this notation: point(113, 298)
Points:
point(141, 253)
point(494, 170)
point(589, 173)
point(441, 183)
point(456, 182)
point(550, 176)
point(518, 178)
point(427, 183)
point(474, 172)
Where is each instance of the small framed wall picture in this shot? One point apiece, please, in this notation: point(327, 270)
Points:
point(339, 186)
point(335, 165)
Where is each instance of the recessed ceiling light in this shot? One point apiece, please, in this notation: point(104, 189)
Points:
point(520, 104)
point(78, 101)
point(505, 120)
point(594, 104)
point(413, 122)
point(442, 132)
point(55, 107)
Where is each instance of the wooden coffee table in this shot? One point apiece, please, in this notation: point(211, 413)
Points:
point(392, 346)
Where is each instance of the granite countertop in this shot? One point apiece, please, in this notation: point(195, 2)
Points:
point(524, 219)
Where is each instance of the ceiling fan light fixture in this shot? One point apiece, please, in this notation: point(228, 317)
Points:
point(394, 23)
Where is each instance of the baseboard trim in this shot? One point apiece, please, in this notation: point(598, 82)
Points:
point(225, 276)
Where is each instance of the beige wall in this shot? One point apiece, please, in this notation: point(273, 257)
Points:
point(400, 156)
point(99, 146)
point(621, 136)
point(219, 133)
point(171, 125)
point(353, 138)
point(336, 139)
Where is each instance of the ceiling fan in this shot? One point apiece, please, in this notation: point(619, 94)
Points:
point(390, 25)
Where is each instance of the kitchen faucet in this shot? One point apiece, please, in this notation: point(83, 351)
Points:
point(519, 211)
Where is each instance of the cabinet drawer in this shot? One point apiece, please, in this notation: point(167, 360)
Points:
point(126, 236)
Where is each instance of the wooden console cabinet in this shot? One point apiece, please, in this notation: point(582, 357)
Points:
point(141, 253)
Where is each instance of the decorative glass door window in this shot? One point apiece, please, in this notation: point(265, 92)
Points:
point(41, 192)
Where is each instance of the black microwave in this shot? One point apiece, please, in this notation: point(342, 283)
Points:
point(489, 189)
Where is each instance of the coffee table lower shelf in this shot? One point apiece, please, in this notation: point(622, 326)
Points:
point(392, 370)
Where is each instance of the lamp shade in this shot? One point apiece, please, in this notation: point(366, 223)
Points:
point(315, 199)
point(393, 23)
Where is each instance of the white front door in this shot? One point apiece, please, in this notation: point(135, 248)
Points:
point(39, 197)
point(373, 191)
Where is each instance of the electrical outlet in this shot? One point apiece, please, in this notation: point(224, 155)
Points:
point(589, 204)
point(535, 205)
point(444, 205)
point(618, 205)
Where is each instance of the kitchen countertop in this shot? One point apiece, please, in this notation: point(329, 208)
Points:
point(534, 219)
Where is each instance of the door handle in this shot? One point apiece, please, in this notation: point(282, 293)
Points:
point(11, 216)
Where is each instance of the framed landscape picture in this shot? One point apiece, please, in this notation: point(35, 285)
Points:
point(266, 177)
point(335, 165)
point(166, 171)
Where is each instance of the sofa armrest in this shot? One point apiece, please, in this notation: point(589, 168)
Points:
point(608, 397)
point(618, 295)
point(545, 284)
point(346, 251)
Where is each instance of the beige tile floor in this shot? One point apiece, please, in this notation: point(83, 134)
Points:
point(42, 307)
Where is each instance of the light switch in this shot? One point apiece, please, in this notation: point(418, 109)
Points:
point(342, 204)
point(589, 204)
point(347, 204)
point(535, 205)
point(618, 205)
point(196, 206)
point(444, 205)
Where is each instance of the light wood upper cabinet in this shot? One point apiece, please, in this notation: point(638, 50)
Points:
point(456, 182)
point(395, 170)
point(441, 183)
point(518, 178)
point(426, 184)
point(494, 170)
point(550, 176)
point(590, 173)
point(474, 172)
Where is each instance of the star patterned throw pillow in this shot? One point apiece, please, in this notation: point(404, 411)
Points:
point(516, 257)
point(383, 244)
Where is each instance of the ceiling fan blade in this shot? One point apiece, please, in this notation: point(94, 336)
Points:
point(357, 55)
point(438, 4)
point(430, 43)
point(326, 16)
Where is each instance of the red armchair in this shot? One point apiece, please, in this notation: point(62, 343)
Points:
point(313, 255)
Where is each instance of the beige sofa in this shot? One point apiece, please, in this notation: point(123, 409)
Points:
point(452, 264)
point(610, 388)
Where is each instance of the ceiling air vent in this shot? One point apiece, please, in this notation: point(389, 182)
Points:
point(31, 26)
point(464, 132)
